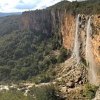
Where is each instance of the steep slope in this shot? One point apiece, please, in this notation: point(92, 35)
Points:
point(25, 54)
point(9, 24)
point(59, 45)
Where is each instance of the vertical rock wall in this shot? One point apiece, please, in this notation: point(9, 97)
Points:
point(64, 26)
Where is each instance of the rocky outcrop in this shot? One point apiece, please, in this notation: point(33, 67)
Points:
point(50, 22)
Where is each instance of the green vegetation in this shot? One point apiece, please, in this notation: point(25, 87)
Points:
point(26, 54)
point(30, 55)
point(75, 7)
point(90, 91)
point(43, 78)
point(14, 95)
point(36, 93)
point(45, 93)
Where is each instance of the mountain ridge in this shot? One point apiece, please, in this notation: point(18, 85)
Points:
point(2, 14)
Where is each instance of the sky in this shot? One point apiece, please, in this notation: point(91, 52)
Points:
point(24, 5)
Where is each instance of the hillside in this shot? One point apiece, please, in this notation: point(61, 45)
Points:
point(9, 24)
point(9, 14)
point(55, 50)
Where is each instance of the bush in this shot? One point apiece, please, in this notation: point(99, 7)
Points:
point(14, 95)
point(90, 91)
point(45, 93)
point(63, 55)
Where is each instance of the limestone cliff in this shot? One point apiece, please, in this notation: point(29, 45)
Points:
point(63, 24)
point(92, 48)
point(38, 21)
point(96, 39)
point(51, 22)
point(68, 30)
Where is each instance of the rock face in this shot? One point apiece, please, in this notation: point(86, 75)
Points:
point(46, 22)
point(64, 26)
point(72, 74)
point(51, 22)
point(95, 43)
point(38, 21)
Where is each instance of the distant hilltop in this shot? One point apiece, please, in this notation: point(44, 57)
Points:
point(9, 14)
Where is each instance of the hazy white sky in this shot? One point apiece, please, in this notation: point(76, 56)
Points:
point(23, 5)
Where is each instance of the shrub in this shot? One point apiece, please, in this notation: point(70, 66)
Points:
point(90, 91)
point(45, 93)
point(13, 95)
point(63, 55)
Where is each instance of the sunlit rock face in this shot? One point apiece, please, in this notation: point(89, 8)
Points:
point(96, 44)
point(78, 33)
point(68, 31)
point(82, 36)
point(51, 22)
point(96, 38)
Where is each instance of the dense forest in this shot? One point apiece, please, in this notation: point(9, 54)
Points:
point(75, 7)
point(26, 54)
